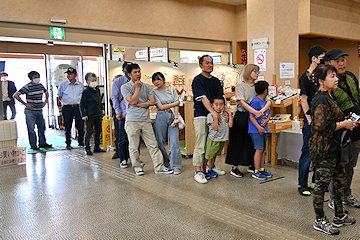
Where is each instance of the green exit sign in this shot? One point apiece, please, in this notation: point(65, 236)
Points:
point(57, 33)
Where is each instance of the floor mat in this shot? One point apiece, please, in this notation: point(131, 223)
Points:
point(58, 143)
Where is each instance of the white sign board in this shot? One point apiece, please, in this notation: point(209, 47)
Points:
point(287, 70)
point(260, 43)
point(260, 59)
point(10, 156)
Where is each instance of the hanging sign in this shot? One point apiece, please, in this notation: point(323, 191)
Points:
point(260, 59)
point(260, 43)
point(57, 33)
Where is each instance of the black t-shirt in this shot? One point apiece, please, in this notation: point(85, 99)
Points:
point(307, 87)
point(203, 86)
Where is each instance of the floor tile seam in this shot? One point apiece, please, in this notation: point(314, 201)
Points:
point(110, 169)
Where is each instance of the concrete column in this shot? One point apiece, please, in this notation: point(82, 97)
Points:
point(278, 21)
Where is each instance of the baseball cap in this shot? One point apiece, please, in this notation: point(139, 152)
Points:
point(334, 54)
point(126, 64)
point(71, 70)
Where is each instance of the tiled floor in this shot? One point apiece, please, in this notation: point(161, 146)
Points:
point(67, 195)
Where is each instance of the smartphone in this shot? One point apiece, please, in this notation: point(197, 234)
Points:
point(354, 117)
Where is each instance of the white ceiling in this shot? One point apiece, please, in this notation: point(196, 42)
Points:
point(230, 2)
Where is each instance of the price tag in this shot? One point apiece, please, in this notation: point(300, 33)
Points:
point(278, 101)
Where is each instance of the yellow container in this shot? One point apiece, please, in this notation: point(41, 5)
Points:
point(106, 132)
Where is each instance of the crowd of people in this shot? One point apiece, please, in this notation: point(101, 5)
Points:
point(329, 95)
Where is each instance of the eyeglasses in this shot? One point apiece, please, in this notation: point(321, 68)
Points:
point(256, 71)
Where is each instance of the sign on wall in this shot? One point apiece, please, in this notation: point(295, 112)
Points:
point(260, 43)
point(57, 33)
point(11, 156)
point(287, 70)
point(260, 59)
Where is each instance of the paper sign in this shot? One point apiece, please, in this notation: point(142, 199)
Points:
point(287, 82)
point(261, 78)
point(11, 156)
point(287, 70)
point(260, 59)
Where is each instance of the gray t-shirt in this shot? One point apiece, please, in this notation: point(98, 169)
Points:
point(137, 114)
point(222, 134)
point(245, 92)
point(165, 97)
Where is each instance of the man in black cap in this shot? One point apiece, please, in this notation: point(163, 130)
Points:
point(69, 93)
point(347, 96)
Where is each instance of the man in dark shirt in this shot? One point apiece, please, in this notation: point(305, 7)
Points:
point(308, 88)
point(8, 90)
point(204, 87)
point(33, 109)
point(91, 111)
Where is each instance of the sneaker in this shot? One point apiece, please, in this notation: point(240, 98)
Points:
point(200, 177)
point(218, 171)
point(258, 175)
point(123, 164)
point(251, 169)
point(236, 173)
point(34, 147)
point(177, 171)
point(115, 156)
point(45, 145)
point(212, 173)
point(268, 175)
point(207, 175)
point(332, 206)
point(323, 225)
point(165, 171)
point(351, 200)
point(68, 146)
point(139, 172)
point(345, 220)
point(88, 152)
point(99, 150)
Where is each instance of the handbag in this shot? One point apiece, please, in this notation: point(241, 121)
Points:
point(344, 144)
point(241, 120)
point(181, 123)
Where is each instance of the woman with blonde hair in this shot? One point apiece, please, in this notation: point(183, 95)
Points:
point(241, 149)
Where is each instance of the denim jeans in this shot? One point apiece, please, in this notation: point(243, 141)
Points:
point(122, 141)
point(162, 123)
point(304, 161)
point(35, 117)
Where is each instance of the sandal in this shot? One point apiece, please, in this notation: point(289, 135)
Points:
point(304, 191)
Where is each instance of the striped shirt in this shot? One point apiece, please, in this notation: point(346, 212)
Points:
point(34, 95)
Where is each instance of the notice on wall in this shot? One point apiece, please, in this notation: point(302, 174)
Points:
point(287, 70)
point(260, 59)
point(11, 156)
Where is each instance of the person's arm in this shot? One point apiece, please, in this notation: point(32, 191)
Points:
point(82, 106)
point(267, 106)
point(205, 101)
point(305, 107)
point(266, 121)
point(116, 97)
point(231, 122)
point(17, 97)
point(258, 114)
point(260, 128)
point(167, 106)
point(46, 98)
point(133, 99)
point(176, 114)
point(150, 102)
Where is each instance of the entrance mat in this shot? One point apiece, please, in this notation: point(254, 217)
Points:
point(58, 143)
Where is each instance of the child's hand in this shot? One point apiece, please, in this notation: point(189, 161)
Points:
point(262, 131)
point(264, 122)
